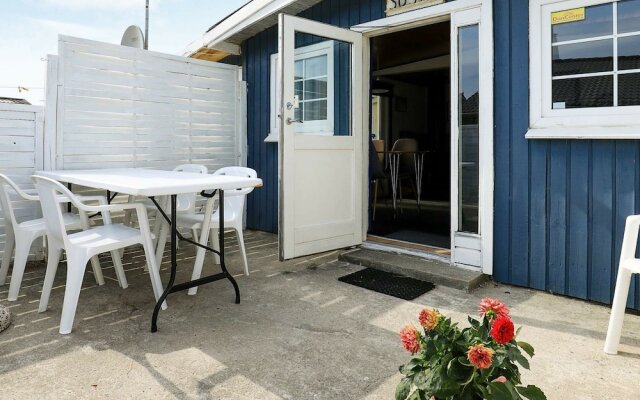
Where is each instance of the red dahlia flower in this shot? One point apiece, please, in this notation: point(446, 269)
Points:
point(502, 330)
point(481, 357)
point(411, 339)
point(492, 308)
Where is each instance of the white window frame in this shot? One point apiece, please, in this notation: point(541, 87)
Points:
point(321, 127)
point(580, 123)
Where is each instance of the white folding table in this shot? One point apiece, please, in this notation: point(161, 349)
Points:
point(154, 183)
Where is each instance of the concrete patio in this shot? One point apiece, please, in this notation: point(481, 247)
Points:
point(299, 333)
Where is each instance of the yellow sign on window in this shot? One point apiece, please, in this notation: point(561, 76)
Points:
point(562, 17)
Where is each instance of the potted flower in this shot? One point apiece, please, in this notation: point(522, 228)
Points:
point(474, 363)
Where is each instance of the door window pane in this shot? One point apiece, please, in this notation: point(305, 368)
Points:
point(628, 16)
point(629, 52)
point(468, 135)
point(322, 83)
point(629, 89)
point(595, 91)
point(581, 58)
point(598, 21)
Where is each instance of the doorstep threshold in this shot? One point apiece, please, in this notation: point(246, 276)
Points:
point(436, 270)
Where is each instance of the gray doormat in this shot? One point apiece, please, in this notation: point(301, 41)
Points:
point(395, 285)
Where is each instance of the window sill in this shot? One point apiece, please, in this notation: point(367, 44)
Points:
point(586, 133)
point(272, 137)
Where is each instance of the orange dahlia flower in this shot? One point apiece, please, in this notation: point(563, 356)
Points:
point(411, 339)
point(429, 318)
point(481, 357)
point(492, 308)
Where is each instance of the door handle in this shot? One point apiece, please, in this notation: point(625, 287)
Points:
point(294, 121)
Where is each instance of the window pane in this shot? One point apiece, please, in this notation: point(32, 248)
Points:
point(598, 22)
point(316, 66)
point(629, 89)
point(315, 89)
point(628, 16)
point(299, 67)
point(629, 52)
point(315, 110)
point(298, 89)
point(595, 91)
point(582, 58)
point(469, 132)
point(298, 112)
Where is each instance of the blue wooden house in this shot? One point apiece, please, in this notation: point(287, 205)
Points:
point(501, 134)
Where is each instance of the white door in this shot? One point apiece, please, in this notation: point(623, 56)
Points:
point(321, 132)
point(472, 138)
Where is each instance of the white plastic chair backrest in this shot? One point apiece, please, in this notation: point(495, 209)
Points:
point(234, 199)
point(6, 184)
point(187, 201)
point(49, 192)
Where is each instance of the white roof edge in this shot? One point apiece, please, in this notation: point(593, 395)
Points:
point(236, 22)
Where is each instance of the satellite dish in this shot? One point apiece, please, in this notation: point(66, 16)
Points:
point(133, 37)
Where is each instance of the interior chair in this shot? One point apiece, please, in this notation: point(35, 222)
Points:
point(21, 235)
point(234, 201)
point(628, 266)
point(82, 246)
point(407, 148)
point(376, 171)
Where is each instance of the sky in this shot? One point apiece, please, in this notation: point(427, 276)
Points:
point(29, 30)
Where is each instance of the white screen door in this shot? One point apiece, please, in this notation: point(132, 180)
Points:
point(472, 139)
point(321, 132)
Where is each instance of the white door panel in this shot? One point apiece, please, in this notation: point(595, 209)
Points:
point(321, 171)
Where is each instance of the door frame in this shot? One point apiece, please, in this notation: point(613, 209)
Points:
point(427, 16)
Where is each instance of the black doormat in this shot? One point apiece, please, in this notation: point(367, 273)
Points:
point(395, 285)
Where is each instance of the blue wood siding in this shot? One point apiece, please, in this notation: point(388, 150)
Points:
point(262, 205)
point(562, 203)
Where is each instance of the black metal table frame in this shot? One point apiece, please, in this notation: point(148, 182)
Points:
point(172, 287)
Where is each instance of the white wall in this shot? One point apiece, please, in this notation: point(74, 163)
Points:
point(21, 133)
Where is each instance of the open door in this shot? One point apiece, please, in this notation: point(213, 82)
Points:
point(321, 166)
point(472, 138)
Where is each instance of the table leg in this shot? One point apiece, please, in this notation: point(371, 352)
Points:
point(174, 265)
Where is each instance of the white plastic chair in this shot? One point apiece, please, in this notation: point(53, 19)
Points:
point(21, 235)
point(234, 201)
point(628, 266)
point(185, 202)
point(82, 246)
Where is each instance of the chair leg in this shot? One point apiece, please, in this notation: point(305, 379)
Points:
point(117, 265)
point(161, 243)
point(53, 259)
point(152, 263)
point(76, 264)
point(617, 311)
point(97, 270)
point(23, 244)
point(215, 244)
point(243, 252)
point(194, 234)
point(9, 245)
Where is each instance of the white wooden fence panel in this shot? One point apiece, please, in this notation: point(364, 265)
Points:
point(125, 107)
point(21, 146)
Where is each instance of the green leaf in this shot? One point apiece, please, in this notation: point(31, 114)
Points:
point(527, 348)
point(457, 371)
point(522, 360)
point(499, 391)
point(531, 392)
point(403, 388)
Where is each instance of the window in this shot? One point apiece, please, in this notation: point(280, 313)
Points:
point(585, 69)
point(314, 90)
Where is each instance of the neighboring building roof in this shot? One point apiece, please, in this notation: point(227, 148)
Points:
point(13, 100)
point(252, 18)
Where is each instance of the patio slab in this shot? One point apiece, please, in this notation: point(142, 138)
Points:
point(299, 333)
